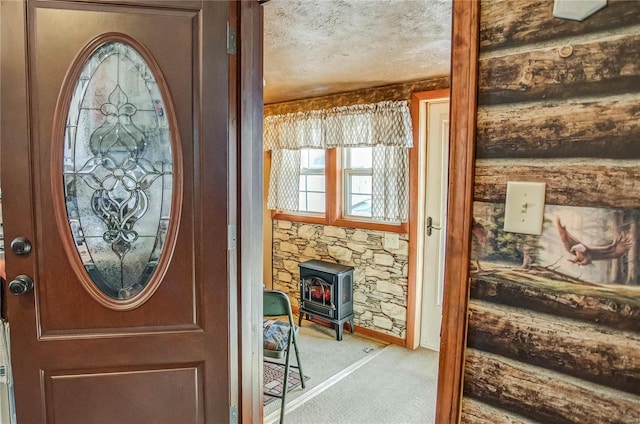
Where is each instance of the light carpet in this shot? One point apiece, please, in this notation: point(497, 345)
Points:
point(384, 384)
point(322, 357)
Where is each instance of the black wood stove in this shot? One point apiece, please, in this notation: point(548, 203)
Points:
point(326, 292)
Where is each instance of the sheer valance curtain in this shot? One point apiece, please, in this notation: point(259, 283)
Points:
point(385, 126)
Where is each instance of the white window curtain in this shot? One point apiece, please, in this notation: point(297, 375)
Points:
point(378, 124)
point(390, 184)
point(295, 131)
point(386, 126)
point(284, 180)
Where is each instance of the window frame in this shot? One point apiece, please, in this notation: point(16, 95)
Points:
point(314, 172)
point(347, 172)
point(333, 215)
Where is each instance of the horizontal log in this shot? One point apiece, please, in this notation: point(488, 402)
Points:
point(476, 412)
point(590, 352)
point(607, 128)
point(593, 68)
point(617, 307)
point(543, 395)
point(513, 23)
point(401, 91)
point(575, 184)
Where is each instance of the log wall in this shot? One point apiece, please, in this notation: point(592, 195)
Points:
point(559, 102)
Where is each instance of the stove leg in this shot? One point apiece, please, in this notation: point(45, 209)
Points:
point(339, 331)
point(351, 325)
point(300, 319)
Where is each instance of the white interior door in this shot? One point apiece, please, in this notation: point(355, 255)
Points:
point(437, 157)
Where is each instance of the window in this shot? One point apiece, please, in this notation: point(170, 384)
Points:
point(342, 166)
point(312, 181)
point(338, 187)
point(357, 174)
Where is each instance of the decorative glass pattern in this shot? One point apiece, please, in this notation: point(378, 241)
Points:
point(117, 170)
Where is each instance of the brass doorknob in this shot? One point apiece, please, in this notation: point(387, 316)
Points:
point(20, 285)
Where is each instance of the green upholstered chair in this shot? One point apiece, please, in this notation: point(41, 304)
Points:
point(278, 338)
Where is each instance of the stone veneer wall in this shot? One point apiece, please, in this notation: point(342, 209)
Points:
point(380, 275)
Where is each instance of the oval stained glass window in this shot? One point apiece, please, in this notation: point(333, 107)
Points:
point(117, 170)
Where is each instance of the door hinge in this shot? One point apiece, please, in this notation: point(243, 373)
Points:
point(233, 414)
point(231, 39)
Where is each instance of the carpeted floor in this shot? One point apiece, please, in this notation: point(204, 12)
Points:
point(323, 357)
point(359, 380)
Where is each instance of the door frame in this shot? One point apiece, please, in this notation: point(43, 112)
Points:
point(416, 217)
point(431, 274)
point(463, 96)
point(462, 134)
point(250, 199)
point(463, 106)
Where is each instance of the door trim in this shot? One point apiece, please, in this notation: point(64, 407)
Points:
point(436, 154)
point(464, 84)
point(250, 178)
point(416, 230)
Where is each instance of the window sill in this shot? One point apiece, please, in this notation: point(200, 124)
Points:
point(401, 228)
point(371, 225)
point(307, 219)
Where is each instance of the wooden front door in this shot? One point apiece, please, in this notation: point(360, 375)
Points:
point(115, 167)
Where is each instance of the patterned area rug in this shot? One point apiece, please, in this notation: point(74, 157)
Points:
point(273, 375)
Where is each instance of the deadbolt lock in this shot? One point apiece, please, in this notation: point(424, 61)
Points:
point(21, 246)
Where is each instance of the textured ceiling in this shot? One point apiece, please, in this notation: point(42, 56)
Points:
point(319, 47)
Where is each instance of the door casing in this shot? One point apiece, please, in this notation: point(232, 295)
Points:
point(434, 191)
point(464, 86)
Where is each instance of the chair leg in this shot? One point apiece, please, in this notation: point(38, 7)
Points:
point(295, 346)
point(286, 374)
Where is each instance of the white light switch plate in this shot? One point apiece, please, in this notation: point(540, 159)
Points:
point(524, 207)
point(391, 241)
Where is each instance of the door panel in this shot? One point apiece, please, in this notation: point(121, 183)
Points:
point(60, 305)
point(123, 397)
point(164, 359)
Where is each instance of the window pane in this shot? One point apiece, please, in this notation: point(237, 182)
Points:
point(359, 158)
point(312, 180)
point(316, 159)
point(312, 193)
point(315, 183)
point(304, 158)
point(360, 205)
point(361, 184)
point(117, 169)
point(316, 202)
point(303, 201)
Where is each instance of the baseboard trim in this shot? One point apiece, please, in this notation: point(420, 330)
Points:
point(377, 335)
point(380, 336)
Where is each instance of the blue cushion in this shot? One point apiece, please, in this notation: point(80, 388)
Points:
point(276, 334)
